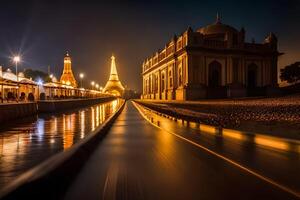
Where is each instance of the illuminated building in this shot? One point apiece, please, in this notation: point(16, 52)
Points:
point(67, 76)
point(113, 85)
point(214, 61)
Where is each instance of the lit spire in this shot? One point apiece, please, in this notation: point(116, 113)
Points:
point(113, 69)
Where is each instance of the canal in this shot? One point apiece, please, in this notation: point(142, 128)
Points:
point(29, 141)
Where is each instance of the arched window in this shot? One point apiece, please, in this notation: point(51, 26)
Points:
point(162, 81)
point(252, 76)
point(170, 79)
point(214, 74)
point(180, 76)
point(156, 84)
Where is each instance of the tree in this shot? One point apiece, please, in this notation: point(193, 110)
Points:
point(291, 73)
point(36, 74)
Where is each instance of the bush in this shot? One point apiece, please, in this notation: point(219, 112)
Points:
point(291, 73)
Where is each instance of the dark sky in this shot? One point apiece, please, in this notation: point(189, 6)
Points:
point(132, 30)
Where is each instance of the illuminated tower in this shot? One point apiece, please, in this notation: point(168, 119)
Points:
point(67, 77)
point(113, 85)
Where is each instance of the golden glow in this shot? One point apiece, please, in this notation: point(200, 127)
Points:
point(234, 134)
point(207, 128)
point(93, 118)
point(68, 130)
point(270, 142)
point(82, 124)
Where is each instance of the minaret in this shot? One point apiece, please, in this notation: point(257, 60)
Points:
point(113, 85)
point(67, 77)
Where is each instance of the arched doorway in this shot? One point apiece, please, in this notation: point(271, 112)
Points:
point(252, 76)
point(214, 74)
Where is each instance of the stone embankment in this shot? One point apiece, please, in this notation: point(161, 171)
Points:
point(277, 116)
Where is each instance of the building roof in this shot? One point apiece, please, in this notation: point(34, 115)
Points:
point(217, 28)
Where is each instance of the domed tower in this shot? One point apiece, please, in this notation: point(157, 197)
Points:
point(113, 85)
point(67, 76)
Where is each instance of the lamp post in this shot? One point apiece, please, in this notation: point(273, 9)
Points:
point(92, 83)
point(81, 76)
point(16, 60)
point(97, 86)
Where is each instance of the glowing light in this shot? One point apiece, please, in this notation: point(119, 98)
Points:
point(81, 75)
point(92, 83)
point(17, 59)
point(40, 82)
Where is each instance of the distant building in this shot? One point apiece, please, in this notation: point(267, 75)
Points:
point(114, 85)
point(211, 62)
point(67, 77)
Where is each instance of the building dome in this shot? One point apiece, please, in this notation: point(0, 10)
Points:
point(217, 28)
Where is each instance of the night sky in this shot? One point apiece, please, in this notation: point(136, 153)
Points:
point(91, 31)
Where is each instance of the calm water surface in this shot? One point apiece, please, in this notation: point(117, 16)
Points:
point(27, 142)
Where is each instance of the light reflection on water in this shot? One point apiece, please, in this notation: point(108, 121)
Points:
point(26, 143)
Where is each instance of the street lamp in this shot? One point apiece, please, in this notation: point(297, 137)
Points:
point(16, 60)
point(81, 75)
point(92, 83)
point(97, 86)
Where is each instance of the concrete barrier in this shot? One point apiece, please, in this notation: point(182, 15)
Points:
point(50, 179)
point(16, 110)
point(58, 105)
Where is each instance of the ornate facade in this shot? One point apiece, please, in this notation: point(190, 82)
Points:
point(114, 85)
point(67, 76)
point(211, 62)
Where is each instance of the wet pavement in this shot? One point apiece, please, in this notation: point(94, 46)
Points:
point(27, 142)
point(137, 160)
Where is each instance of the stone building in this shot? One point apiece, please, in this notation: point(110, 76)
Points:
point(214, 61)
point(67, 76)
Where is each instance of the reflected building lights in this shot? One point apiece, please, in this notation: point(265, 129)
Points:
point(40, 126)
point(68, 130)
point(82, 124)
point(97, 116)
point(46, 136)
point(93, 119)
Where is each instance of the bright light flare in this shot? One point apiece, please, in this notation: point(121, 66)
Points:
point(17, 59)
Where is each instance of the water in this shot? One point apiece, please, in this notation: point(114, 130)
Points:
point(27, 142)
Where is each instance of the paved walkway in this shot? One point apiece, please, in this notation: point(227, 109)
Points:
point(136, 160)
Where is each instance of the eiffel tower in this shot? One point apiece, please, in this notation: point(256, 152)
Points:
point(113, 85)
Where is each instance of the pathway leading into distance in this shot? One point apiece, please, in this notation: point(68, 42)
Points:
point(137, 160)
